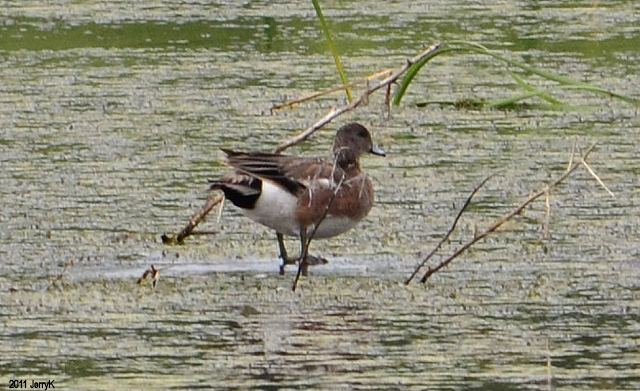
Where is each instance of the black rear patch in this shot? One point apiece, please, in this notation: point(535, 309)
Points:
point(243, 195)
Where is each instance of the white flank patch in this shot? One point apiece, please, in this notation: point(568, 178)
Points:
point(276, 209)
point(332, 226)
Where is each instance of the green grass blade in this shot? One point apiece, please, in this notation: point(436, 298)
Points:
point(334, 51)
point(412, 72)
point(466, 47)
point(535, 91)
point(509, 102)
point(562, 80)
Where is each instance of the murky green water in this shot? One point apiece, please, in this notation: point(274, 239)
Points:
point(111, 119)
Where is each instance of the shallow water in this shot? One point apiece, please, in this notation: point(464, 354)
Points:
point(111, 118)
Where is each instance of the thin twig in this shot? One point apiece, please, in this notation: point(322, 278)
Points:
point(593, 174)
point(446, 236)
point(573, 155)
point(549, 368)
point(327, 91)
point(356, 102)
point(508, 216)
point(305, 98)
point(387, 101)
point(547, 215)
point(307, 240)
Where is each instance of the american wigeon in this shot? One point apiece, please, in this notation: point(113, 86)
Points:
point(293, 194)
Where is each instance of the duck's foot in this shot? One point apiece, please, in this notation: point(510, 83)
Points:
point(311, 260)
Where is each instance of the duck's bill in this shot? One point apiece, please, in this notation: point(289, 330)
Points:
point(376, 150)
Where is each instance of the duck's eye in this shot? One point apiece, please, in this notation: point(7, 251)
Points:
point(362, 133)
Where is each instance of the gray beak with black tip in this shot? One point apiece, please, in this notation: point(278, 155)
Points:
point(376, 150)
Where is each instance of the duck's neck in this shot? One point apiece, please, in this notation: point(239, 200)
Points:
point(347, 160)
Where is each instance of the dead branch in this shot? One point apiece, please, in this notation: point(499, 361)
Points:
point(451, 229)
point(355, 103)
point(67, 265)
point(213, 200)
point(152, 274)
point(546, 189)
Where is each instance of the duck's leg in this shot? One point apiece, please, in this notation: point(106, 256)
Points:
point(285, 259)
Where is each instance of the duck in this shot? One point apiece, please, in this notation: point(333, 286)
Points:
point(303, 197)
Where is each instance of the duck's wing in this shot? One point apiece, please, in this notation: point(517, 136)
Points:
point(289, 172)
